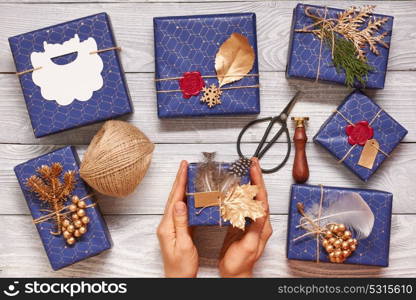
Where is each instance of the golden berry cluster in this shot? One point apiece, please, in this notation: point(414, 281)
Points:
point(338, 242)
point(75, 226)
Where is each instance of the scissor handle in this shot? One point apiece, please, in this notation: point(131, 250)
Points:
point(260, 151)
point(247, 126)
point(289, 147)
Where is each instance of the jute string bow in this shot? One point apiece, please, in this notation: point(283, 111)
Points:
point(59, 215)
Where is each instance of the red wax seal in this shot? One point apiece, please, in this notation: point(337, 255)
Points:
point(191, 84)
point(359, 133)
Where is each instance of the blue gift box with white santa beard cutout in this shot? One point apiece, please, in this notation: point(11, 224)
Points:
point(71, 85)
point(305, 50)
point(190, 44)
point(97, 238)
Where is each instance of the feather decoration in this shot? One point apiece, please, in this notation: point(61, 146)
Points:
point(211, 177)
point(347, 208)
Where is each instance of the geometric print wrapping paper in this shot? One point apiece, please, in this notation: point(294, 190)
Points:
point(304, 51)
point(110, 101)
point(209, 216)
point(94, 241)
point(358, 107)
point(189, 44)
point(374, 250)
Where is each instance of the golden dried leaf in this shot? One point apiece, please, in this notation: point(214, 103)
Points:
point(239, 204)
point(234, 59)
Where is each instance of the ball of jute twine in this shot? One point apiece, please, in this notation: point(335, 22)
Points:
point(117, 159)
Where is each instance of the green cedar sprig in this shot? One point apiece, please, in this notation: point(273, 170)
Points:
point(345, 59)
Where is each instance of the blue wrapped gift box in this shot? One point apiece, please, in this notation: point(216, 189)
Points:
point(208, 216)
point(304, 51)
point(94, 241)
point(374, 250)
point(358, 107)
point(67, 67)
point(189, 44)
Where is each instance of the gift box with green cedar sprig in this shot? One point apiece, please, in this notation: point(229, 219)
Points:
point(349, 46)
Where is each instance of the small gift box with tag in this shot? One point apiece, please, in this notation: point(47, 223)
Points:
point(360, 134)
point(71, 74)
point(221, 194)
point(348, 46)
point(67, 218)
point(206, 65)
point(339, 225)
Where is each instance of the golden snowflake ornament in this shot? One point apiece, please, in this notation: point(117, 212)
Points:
point(211, 96)
point(239, 204)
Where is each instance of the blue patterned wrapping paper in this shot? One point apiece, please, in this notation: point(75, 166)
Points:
point(358, 107)
point(190, 43)
point(209, 216)
point(374, 250)
point(111, 101)
point(303, 55)
point(96, 240)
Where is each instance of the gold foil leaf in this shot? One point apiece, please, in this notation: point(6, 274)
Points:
point(239, 204)
point(234, 59)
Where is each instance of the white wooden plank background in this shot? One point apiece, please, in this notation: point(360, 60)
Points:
point(133, 220)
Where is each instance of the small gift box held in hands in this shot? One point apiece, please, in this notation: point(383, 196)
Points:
point(206, 65)
point(348, 46)
point(67, 218)
point(339, 225)
point(221, 194)
point(360, 134)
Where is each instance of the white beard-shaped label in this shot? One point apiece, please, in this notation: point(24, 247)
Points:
point(75, 80)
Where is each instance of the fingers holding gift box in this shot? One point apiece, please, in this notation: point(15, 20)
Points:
point(221, 194)
point(339, 225)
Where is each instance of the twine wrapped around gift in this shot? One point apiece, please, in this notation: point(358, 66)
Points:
point(348, 210)
point(371, 160)
point(234, 60)
point(92, 52)
point(347, 36)
point(117, 159)
point(50, 189)
point(217, 186)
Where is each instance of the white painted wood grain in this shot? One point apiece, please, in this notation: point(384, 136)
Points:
point(136, 252)
point(150, 197)
point(133, 27)
point(318, 102)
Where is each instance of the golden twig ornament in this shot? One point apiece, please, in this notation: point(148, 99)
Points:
point(50, 189)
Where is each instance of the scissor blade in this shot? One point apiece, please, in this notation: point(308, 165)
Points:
point(291, 103)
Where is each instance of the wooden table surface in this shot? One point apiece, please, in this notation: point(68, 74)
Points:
point(132, 221)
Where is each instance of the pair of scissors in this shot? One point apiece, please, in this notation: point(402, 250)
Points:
point(262, 147)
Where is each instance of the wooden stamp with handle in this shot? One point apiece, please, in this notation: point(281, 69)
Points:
point(300, 171)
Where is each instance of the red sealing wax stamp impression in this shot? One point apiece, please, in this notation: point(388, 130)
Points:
point(359, 133)
point(191, 84)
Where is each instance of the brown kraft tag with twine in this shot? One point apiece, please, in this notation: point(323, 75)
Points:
point(204, 199)
point(369, 153)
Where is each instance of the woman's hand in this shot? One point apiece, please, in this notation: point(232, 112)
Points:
point(241, 250)
point(180, 256)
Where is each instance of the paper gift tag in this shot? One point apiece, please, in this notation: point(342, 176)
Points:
point(205, 199)
point(369, 153)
